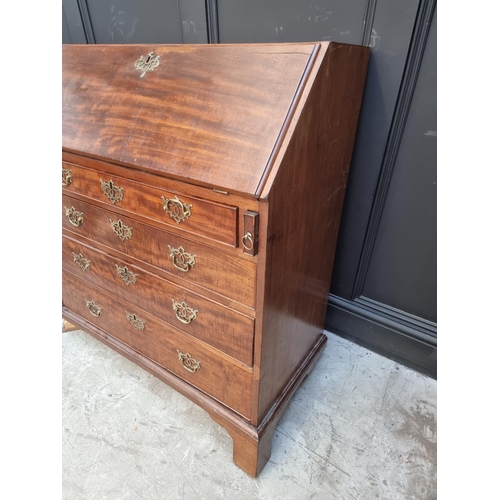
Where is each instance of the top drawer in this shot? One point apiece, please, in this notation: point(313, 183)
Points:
point(212, 220)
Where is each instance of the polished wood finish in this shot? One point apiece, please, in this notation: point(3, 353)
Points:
point(203, 116)
point(220, 376)
point(215, 270)
point(207, 218)
point(215, 324)
point(309, 186)
point(254, 140)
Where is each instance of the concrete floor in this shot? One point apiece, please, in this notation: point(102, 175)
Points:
point(360, 427)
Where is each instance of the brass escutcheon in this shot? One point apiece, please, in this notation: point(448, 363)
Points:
point(176, 209)
point(82, 262)
point(94, 309)
point(188, 362)
point(127, 276)
point(74, 217)
point(183, 312)
point(137, 323)
point(148, 63)
point(112, 191)
point(121, 230)
point(67, 177)
point(182, 260)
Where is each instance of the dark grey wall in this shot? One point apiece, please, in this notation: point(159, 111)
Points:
point(242, 21)
point(134, 21)
point(72, 29)
point(128, 20)
point(389, 39)
point(402, 271)
point(383, 292)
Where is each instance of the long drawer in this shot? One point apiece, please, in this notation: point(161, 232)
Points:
point(206, 218)
point(200, 365)
point(219, 326)
point(221, 272)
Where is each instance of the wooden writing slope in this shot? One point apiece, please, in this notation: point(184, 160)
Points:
point(202, 193)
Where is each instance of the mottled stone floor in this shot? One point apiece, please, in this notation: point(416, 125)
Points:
point(360, 427)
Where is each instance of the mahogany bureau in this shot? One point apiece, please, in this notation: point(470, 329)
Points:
point(202, 194)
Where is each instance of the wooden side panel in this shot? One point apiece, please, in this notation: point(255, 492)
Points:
point(306, 195)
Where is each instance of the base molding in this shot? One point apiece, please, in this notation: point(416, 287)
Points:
point(251, 445)
point(391, 333)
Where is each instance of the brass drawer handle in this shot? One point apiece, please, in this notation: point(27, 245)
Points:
point(113, 192)
point(94, 309)
point(182, 260)
point(127, 276)
point(247, 241)
point(137, 323)
point(176, 209)
point(74, 217)
point(81, 261)
point(189, 363)
point(183, 312)
point(121, 230)
point(67, 177)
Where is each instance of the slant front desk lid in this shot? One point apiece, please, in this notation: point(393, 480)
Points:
point(211, 115)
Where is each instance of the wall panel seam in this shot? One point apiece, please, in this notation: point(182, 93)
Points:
point(371, 6)
point(403, 103)
point(212, 10)
point(86, 21)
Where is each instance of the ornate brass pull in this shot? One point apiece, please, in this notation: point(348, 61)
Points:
point(182, 260)
point(121, 230)
point(94, 309)
point(137, 323)
point(127, 276)
point(247, 241)
point(148, 63)
point(74, 217)
point(113, 192)
point(189, 363)
point(67, 177)
point(176, 209)
point(82, 262)
point(183, 312)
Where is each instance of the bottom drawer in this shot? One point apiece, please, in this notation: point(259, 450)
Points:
point(196, 363)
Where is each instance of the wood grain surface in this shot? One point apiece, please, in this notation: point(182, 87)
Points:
point(207, 114)
point(305, 198)
point(215, 324)
point(214, 221)
point(223, 273)
point(258, 139)
point(219, 375)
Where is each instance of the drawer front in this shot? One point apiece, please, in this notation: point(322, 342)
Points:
point(200, 366)
point(210, 268)
point(206, 218)
point(219, 326)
